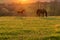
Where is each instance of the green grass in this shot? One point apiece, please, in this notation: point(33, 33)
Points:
point(29, 28)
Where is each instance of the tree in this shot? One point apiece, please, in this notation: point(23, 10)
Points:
point(4, 12)
point(53, 6)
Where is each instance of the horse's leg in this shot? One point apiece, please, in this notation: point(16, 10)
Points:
point(42, 14)
point(39, 14)
point(46, 14)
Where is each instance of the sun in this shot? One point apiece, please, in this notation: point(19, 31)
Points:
point(24, 1)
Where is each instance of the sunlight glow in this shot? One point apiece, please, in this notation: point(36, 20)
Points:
point(26, 1)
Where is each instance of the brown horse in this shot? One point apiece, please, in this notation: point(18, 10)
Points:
point(21, 13)
point(41, 12)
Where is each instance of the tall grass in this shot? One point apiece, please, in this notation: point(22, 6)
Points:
point(29, 28)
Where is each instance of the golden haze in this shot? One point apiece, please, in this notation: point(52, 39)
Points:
point(25, 1)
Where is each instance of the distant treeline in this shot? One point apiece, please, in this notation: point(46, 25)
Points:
point(52, 8)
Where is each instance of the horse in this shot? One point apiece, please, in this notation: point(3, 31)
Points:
point(41, 12)
point(21, 12)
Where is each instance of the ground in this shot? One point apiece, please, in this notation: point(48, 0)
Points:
point(30, 28)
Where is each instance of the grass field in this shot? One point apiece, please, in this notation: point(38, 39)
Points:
point(30, 28)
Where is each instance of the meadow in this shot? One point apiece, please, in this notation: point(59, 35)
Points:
point(30, 28)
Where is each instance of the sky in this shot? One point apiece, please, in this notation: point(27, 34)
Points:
point(23, 1)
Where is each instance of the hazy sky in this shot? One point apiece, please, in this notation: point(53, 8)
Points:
point(24, 0)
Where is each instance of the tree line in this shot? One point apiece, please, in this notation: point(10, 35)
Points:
point(52, 8)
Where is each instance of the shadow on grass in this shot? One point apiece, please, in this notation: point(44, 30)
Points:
point(52, 38)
